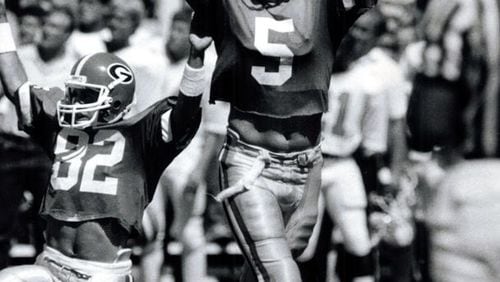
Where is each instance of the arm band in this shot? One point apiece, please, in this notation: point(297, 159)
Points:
point(193, 81)
point(7, 43)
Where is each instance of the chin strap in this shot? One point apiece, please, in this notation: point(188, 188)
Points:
point(245, 183)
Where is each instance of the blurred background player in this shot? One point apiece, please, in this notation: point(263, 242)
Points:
point(164, 13)
point(90, 35)
point(454, 107)
point(392, 209)
point(49, 59)
point(175, 48)
point(122, 22)
point(357, 130)
point(356, 117)
point(30, 22)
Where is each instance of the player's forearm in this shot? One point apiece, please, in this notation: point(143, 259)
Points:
point(12, 73)
point(187, 108)
point(186, 114)
point(192, 83)
point(195, 59)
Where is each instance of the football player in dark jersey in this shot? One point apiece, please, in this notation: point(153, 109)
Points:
point(274, 65)
point(105, 168)
point(455, 106)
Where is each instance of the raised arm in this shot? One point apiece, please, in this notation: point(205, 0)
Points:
point(12, 74)
point(193, 84)
point(198, 47)
point(440, 92)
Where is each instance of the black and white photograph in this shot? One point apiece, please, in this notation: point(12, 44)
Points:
point(249, 140)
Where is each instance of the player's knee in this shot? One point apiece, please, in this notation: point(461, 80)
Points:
point(273, 260)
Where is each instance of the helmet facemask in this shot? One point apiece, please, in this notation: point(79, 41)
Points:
point(99, 91)
point(80, 108)
point(85, 104)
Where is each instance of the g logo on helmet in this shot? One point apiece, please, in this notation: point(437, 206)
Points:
point(121, 73)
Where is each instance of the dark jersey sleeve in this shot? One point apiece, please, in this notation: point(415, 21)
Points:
point(341, 18)
point(37, 113)
point(185, 117)
point(206, 12)
point(198, 5)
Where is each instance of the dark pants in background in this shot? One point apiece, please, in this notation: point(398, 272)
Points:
point(24, 167)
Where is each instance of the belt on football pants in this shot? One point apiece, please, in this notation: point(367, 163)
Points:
point(61, 265)
point(263, 158)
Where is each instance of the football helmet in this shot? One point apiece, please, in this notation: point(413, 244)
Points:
point(100, 90)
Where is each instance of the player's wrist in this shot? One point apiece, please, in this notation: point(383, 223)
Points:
point(196, 58)
point(193, 81)
point(7, 43)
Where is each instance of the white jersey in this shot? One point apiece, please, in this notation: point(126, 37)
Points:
point(88, 43)
point(47, 74)
point(362, 101)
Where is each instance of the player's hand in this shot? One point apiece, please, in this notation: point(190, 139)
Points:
point(198, 47)
point(200, 44)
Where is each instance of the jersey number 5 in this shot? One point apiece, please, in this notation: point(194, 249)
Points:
point(261, 42)
point(67, 170)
